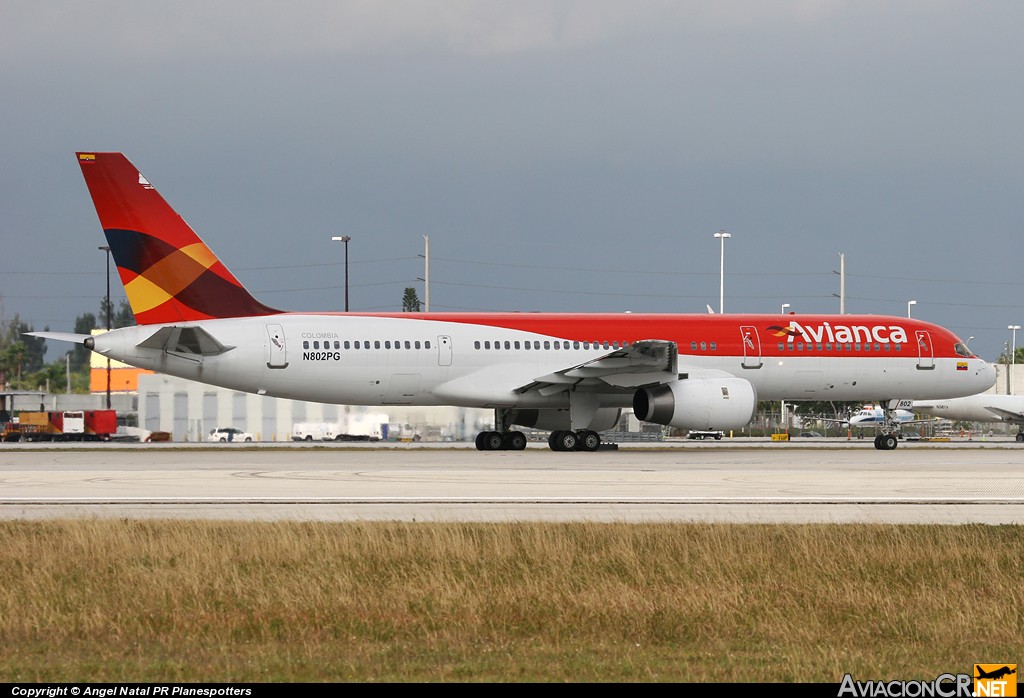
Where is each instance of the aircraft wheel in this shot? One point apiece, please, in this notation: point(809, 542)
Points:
point(493, 440)
point(514, 441)
point(1020, 437)
point(588, 441)
point(562, 441)
point(888, 442)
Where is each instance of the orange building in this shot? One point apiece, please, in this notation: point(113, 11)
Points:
point(123, 378)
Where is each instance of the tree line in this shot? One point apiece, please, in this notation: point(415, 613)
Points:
point(23, 359)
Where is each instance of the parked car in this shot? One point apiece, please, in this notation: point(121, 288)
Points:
point(810, 435)
point(229, 434)
point(704, 434)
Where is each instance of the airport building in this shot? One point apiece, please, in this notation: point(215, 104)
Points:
point(189, 411)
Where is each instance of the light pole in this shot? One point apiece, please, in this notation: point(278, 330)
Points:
point(1013, 356)
point(722, 235)
point(344, 239)
point(106, 248)
point(784, 306)
point(910, 303)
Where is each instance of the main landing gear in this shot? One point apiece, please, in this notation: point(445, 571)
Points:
point(505, 439)
point(886, 442)
point(582, 440)
point(889, 438)
point(500, 441)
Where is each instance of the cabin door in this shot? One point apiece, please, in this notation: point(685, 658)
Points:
point(751, 347)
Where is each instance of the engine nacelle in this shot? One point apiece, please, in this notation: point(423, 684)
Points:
point(698, 403)
point(553, 420)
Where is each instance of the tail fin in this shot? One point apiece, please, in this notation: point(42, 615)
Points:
point(169, 274)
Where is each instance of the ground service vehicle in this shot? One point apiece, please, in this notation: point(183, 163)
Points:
point(228, 434)
point(704, 434)
point(79, 425)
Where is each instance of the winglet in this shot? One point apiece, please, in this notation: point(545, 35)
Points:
point(168, 272)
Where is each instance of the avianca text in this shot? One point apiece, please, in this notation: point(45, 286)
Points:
point(827, 332)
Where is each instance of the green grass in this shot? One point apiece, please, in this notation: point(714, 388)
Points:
point(129, 600)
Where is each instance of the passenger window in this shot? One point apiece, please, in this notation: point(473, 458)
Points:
point(376, 344)
point(693, 346)
point(387, 343)
point(305, 344)
point(426, 344)
point(703, 346)
point(714, 346)
point(516, 344)
point(508, 345)
point(547, 344)
point(347, 345)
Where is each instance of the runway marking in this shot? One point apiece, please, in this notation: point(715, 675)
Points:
point(59, 501)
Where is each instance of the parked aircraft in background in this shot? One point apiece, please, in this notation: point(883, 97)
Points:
point(569, 373)
point(978, 408)
point(872, 416)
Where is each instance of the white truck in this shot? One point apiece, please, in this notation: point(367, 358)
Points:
point(372, 426)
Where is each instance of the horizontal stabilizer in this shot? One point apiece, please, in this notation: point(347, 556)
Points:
point(61, 336)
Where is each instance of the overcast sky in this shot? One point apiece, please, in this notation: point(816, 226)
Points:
point(573, 155)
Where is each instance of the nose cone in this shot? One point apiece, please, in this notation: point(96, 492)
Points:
point(986, 376)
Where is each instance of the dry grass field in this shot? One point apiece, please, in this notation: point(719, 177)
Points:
point(129, 600)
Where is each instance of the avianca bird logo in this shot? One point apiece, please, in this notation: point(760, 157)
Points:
point(778, 331)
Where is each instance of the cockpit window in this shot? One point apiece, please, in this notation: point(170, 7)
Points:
point(962, 350)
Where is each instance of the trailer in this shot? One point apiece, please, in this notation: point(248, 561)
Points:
point(77, 425)
point(372, 426)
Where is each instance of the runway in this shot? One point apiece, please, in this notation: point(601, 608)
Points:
point(831, 481)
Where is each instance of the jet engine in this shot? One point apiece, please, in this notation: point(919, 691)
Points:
point(698, 403)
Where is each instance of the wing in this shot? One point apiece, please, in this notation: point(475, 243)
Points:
point(1006, 415)
point(644, 363)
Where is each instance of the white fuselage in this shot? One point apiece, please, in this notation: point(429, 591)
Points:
point(370, 360)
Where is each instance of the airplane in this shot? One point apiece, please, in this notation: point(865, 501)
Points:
point(995, 673)
point(875, 415)
point(978, 408)
point(568, 373)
